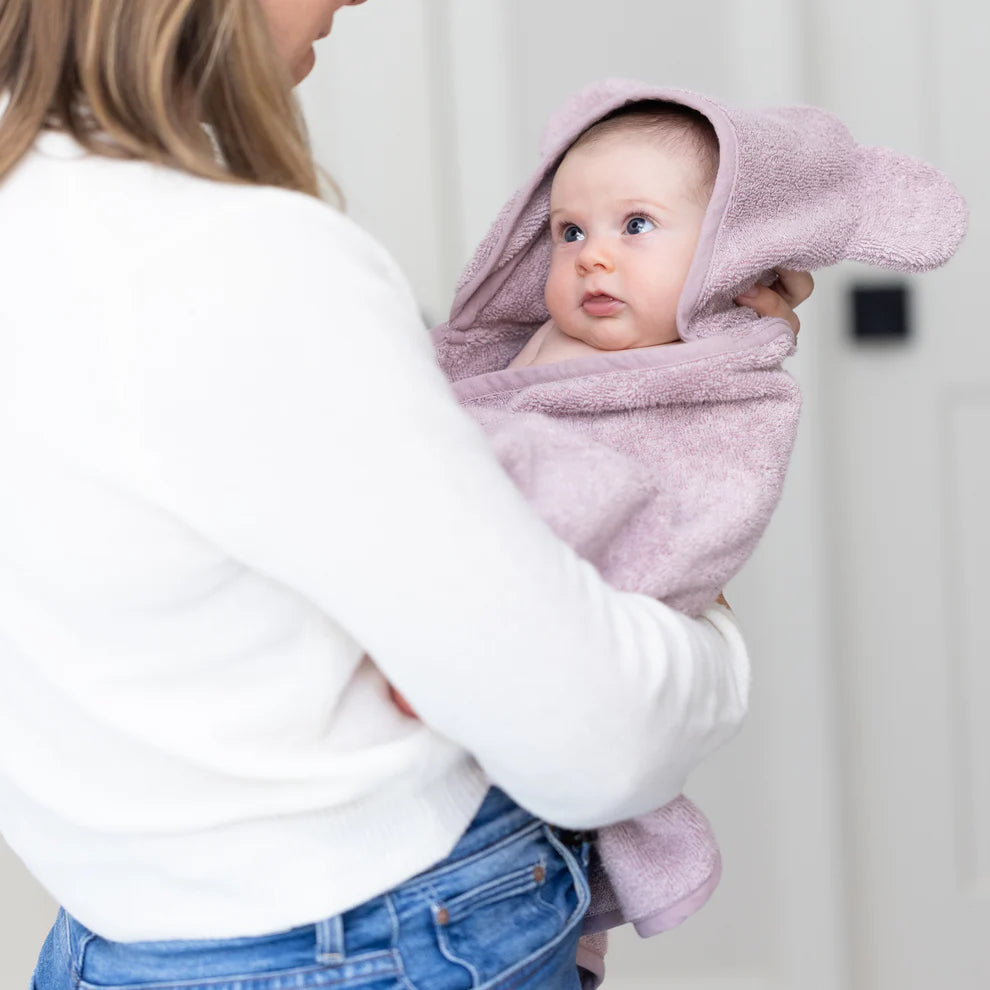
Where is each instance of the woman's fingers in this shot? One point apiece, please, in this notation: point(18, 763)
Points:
point(766, 302)
point(778, 301)
point(400, 702)
point(793, 287)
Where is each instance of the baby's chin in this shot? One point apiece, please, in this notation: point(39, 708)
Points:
point(617, 335)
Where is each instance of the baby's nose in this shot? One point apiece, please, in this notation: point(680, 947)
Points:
point(595, 255)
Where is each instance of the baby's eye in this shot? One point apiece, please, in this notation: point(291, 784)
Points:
point(639, 225)
point(572, 232)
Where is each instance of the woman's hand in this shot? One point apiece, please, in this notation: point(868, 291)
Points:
point(782, 298)
point(397, 699)
point(400, 702)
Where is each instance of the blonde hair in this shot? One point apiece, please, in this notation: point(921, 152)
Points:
point(193, 84)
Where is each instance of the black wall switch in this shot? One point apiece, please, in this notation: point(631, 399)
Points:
point(881, 313)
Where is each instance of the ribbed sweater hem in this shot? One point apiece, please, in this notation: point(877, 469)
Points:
point(255, 877)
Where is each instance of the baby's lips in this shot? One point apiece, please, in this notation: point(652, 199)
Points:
point(598, 295)
point(601, 304)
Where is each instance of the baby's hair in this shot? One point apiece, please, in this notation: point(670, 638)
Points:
point(674, 126)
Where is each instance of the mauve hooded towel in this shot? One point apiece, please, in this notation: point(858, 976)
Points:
point(662, 465)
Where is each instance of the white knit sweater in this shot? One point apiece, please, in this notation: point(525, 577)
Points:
point(231, 467)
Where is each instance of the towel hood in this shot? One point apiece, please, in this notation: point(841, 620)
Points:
point(793, 190)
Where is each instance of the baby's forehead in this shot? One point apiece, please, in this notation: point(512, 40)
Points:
point(629, 147)
point(620, 154)
point(616, 136)
point(656, 154)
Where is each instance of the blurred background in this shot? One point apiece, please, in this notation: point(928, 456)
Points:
point(854, 809)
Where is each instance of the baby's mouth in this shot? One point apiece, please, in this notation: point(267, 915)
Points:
point(600, 304)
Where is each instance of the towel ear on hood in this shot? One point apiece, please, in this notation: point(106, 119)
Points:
point(911, 216)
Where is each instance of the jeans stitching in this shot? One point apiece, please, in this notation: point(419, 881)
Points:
point(400, 963)
point(77, 959)
point(318, 978)
point(331, 947)
point(547, 904)
point(442, 942)
point(523, 969)
point(480, 854)
point(518, 882)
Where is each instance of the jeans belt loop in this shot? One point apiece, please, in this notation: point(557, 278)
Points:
point(330, 940)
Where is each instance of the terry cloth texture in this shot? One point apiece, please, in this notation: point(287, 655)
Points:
point(662, 465)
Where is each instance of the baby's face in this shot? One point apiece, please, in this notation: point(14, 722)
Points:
point(625, 216)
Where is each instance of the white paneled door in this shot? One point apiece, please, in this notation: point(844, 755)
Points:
point(910, 465)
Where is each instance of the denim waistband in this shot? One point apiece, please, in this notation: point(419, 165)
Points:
point(498, 820)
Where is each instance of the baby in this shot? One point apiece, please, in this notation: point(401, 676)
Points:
point(626, 209)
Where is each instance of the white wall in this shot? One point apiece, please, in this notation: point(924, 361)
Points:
point(26, 914)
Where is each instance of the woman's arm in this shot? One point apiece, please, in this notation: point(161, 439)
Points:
point(292, 413)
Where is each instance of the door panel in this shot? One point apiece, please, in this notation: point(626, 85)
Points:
point(966, 495)
point(908, 429)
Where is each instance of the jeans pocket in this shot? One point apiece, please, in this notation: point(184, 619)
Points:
point(489, 895)
point(512, 910)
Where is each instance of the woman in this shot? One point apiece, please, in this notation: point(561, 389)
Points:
point(205, 525)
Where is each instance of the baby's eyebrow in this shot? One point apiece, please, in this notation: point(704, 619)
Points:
point(644, 202)
point(629, 203)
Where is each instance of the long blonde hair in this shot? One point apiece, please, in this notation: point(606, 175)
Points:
point(169, 81)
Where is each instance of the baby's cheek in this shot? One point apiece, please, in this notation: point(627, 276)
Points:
point(555, 297)
point(661, 328)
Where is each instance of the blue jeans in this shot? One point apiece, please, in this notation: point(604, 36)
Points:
point(502, 912)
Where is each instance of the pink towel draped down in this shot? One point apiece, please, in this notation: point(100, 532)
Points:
point(662, 465)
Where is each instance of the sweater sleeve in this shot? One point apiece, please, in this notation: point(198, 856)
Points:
point(291, 411)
